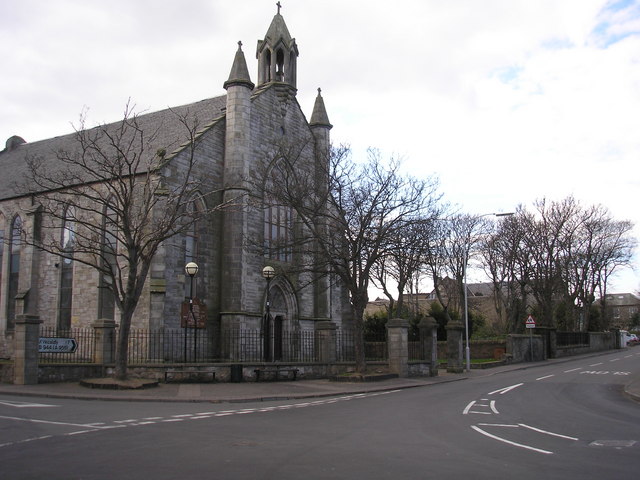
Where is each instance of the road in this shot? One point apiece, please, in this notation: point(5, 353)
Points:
point(565, 420)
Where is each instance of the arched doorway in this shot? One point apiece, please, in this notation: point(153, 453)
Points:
point(278, 331)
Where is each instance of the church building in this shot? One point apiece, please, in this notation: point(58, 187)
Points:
point(238, 139)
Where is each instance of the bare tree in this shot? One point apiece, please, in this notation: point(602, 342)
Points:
point(506, 262)
point(347, 213)
point(121, 197)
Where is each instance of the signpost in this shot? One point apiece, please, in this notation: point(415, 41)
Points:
point(530, 323)
point(57, 345)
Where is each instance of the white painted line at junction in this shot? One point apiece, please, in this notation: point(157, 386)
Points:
point(34, 420)
point(573, 370)
point(502, 391)
point(595, 364)
point(615, 360)
point(26, 404)
point(519, 445)
point(547, 376)
point(546, 432)
point(493, 407)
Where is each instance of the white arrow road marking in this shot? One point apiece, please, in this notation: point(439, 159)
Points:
point(502, 391)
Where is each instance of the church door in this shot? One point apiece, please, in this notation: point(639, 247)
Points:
point(277, 338)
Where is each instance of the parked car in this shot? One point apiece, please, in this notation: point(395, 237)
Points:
point(631, 338)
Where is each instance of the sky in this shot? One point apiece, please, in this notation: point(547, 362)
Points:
point(505, 101)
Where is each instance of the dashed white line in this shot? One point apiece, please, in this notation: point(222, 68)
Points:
point(546, 376)
point(595, 364)
point(572, 370)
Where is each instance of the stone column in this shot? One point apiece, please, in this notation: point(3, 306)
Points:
point(398, 346)
point(454, 347)
point(429, 340)
point(105, 331)
point(26, 338)
point(326, 344)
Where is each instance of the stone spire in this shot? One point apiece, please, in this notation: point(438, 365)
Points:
point(319, 116)
point(277, 54)
point(239, 74)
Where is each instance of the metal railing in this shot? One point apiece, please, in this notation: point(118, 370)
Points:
point(243, 345)
point(233, 345)
point(167, 345)
point(375, 346)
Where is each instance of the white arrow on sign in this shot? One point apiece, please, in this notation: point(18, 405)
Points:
point(57, 345)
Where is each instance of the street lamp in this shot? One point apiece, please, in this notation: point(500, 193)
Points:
point(268, 273)
point(467, 350)
point(191, 269)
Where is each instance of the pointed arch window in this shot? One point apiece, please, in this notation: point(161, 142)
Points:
point(1, 251)
point(106, 297)
point(278, 222)
point(191, 241)
point(67, 243)
point(15, 250)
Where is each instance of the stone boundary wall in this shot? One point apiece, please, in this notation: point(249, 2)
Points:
point(598, 342)
point(479, 349)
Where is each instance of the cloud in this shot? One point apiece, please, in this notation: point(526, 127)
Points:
point(507, 101)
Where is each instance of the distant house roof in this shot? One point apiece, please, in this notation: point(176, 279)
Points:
point(621, 299)
point(170, 135)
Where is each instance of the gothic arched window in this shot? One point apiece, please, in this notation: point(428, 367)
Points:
point(15, 249)
point(67, 242)
point(278, 223)
point(106, 296)
point(191, 240)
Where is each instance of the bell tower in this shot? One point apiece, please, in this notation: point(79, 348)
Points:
point(277, 54)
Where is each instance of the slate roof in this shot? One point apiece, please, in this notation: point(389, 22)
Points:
point(171, 136)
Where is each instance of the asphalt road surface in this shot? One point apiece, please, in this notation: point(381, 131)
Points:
point(567, 420)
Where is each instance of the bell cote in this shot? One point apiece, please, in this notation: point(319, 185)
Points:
point(277, 54)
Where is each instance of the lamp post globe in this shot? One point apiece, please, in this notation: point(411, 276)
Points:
point(268, 272)
point(191, 269)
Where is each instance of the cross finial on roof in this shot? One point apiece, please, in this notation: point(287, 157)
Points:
point(279, 6)
point(319, 90)
point(239, 43)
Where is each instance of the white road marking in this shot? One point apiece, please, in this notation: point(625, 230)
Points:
point(546, 432)
point(101, 426)
point(493, 407)
point(573, 370)
point(26, 404)
point(595, 364)
point(519, 445)
point(547, 376)
point(502, 391)
point(468, 407)
point(50, 422)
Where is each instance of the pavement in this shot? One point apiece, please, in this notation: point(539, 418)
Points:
point(267, 391)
